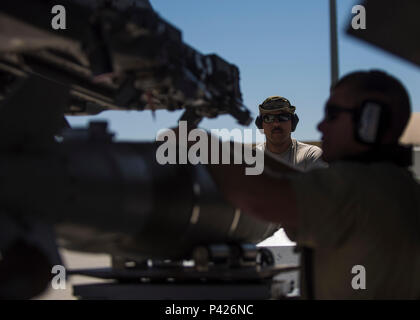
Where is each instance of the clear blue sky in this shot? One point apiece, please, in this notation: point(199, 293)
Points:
point(281, 48)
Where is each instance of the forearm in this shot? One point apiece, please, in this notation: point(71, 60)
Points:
point(263, 191)
point(268, 197)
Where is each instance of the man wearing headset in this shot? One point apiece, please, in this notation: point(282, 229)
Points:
point(359, 219)
point(278, 120)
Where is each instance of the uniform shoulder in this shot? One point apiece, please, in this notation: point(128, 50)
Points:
point(308, 151)
point(307, 146)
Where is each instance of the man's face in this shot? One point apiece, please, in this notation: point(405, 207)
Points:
point(277, 132)
point(337, 128)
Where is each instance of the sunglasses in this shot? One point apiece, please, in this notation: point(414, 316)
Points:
point(332, 111)
point(269, 118)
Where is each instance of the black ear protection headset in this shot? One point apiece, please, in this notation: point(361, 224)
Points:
point(295, 120)
point(371, 120)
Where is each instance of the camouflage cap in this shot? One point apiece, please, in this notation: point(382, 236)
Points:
point(276, 103)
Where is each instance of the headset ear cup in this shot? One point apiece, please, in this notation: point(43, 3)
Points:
point(258, 122)
point(370, 122)
point(356, 121)
point(295, 121)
